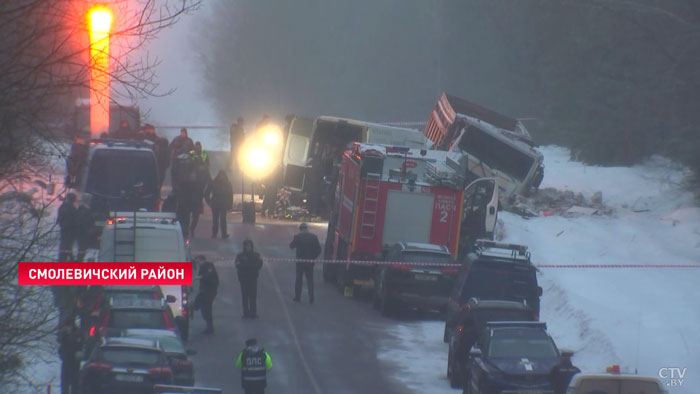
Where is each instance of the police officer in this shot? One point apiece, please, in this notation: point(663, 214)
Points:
point(307, 248)
point(254, 362)
point(248, 264)
point(562, 373)
point(70, 342)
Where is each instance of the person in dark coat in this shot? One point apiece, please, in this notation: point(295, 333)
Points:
point(181, 145)
point(562, 373)
point(68, 225)
point(70, 342)
point(248, 265)
point(219, 196)
point(170, 203)
point(125, 132)
point(187, 203)
point(85, 225)
point(254, 362)
point(307, 248)
point(209, 284)
point(200, 159)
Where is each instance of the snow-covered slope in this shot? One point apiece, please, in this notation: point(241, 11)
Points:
point(640, 318)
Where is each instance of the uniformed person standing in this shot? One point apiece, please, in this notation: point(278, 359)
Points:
point(248, 265)
point(254, 362)
point(563, 372)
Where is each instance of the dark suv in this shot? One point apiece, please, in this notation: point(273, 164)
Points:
point(424, 286)
point(470, 323)
point(512, 357)
point(122, 313)
point(495, 271)
point(125, 365)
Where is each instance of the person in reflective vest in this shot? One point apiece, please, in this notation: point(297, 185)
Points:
point(254, 363)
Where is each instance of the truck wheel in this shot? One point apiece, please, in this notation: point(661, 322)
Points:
point(329, 272)
point(386, 306)
point(185, 329)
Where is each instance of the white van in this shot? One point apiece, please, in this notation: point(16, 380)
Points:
point(151, 237)
point(614, 384)
point(304, 133)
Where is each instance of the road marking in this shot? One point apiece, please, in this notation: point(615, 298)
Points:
point(307, 368)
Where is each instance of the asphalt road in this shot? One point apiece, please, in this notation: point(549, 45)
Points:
point(328, 347)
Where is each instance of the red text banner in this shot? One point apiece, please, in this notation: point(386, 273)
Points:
point(104, 273)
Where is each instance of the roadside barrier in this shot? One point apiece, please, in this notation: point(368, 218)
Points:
point(220, 258)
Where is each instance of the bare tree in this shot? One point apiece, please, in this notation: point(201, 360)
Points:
point(44, 66)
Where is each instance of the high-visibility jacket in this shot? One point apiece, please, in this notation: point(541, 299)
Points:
point(254, 363)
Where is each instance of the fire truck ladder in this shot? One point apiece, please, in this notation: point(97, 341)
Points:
point(124, 241)
point(370, 205)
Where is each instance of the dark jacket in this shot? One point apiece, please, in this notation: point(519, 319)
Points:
point(248, 265)
point(85, 223)
point(209, 283)
point(219, 193)
point(180, 144)
point(561, 376)
point(67, 214)
point(70, 342)
point(306, 245)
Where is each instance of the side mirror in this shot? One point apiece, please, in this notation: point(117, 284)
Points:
point(170, 299)
point(475, 352)
point(190, 352)
point(539, 291)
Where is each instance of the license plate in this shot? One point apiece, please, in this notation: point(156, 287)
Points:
point(432, 278)
point(128, 378)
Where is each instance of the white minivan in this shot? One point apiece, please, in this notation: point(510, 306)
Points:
point(151, 237)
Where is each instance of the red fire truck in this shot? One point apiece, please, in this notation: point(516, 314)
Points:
point(389, 194)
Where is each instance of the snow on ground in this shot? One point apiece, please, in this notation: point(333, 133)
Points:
point(641, 318)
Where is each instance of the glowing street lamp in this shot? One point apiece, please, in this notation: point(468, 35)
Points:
point(100, 24)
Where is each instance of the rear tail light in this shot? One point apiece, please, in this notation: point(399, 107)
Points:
point(160, 371)
point(450, 270)
point(401, 267)
point(168, 322)
point(92, 331)
point(98, 366)
point(460, 328)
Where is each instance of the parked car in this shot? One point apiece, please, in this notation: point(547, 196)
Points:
point(470, 322)
point(183, 369)
point(614, 384)
point(495, 271)
point(422, 286)
point(120, 314)
point(125, 365)
point(151, 237)
point(512, 357)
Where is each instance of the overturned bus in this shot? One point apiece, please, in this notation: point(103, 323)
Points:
point(329, 137)
point(496, 145)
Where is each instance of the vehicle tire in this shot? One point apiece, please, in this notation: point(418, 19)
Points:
point(329, 272)
point(386, 305)
point(185, 329)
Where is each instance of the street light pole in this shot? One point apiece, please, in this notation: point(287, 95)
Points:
point(100, 23)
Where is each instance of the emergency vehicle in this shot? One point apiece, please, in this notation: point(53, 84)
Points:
point(496, 145)
point(389, 194)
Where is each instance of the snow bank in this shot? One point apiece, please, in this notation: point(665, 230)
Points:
point(643, 319)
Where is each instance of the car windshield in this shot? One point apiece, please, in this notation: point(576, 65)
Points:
point(118, 170)
point(140, 295)
point(128, 318)
point(516, 285)
point(516, 343)
point(427, 257)
point(484, 315)
point(128, 355)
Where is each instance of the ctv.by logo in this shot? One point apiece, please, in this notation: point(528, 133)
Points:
point(675, 376)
